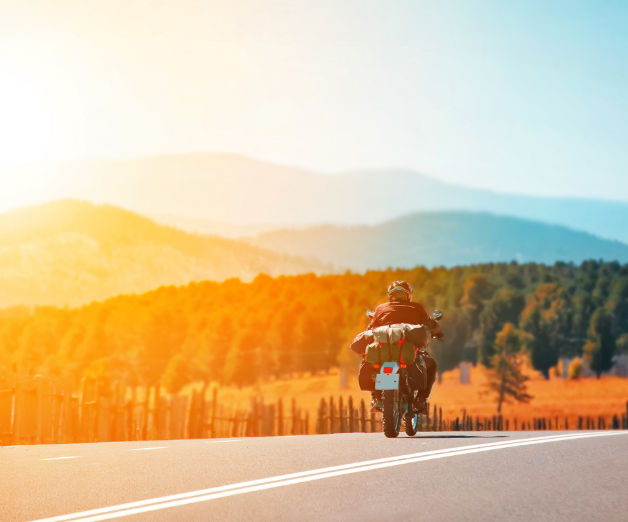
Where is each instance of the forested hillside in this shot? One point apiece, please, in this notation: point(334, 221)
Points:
point(442, 238)
point(238, 332)
point(72, 252)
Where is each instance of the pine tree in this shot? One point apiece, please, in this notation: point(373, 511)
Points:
point(505, 377)
point(601, 347)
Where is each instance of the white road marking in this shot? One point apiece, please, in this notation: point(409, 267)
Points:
point(62, 458)
point(170, 501)
point(148, 449)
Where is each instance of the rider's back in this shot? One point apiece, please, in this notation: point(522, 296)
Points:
point(394, 312)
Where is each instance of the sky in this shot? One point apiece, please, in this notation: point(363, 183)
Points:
point(521, 97)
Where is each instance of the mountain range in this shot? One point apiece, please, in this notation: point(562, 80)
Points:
point(71, 252)
point(442, 238)
point(237, 190)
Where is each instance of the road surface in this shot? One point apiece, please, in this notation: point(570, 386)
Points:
point(433, 476)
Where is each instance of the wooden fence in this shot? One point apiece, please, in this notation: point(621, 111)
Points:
point(37, 410)
point(338, 416)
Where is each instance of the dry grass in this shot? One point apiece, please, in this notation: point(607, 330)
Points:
point(552, 398)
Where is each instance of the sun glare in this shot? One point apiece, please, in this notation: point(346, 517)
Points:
point(26, 134)
point(26, 126)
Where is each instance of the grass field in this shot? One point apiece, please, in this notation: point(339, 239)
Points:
point(555, 397)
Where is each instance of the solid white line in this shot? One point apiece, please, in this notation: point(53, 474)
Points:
point(143, 506)
point(62, 458)
point(148, 449)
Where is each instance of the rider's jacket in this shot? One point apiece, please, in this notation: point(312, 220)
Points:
point(394, 312)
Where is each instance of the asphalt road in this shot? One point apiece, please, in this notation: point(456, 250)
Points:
point(433, 476)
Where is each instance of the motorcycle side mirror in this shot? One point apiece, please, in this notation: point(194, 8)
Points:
point(370, 314)
point(437, 315)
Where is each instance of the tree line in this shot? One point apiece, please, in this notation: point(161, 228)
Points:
point(237, 333)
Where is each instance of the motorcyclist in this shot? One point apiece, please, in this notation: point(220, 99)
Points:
point(401, 309)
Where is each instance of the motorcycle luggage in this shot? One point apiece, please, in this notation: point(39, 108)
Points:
point(361, 341)
point(373, 355)
point(408, 353)
point(392, 345)
point(366, 377)
point(417, 377)
point(416, 334)
point(389, 334)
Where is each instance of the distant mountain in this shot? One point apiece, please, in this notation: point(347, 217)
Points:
point(71, 252)
point(214, 228)
point(237, 190)
point(442, 238)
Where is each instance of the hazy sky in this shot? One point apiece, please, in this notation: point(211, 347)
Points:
point(517, 96)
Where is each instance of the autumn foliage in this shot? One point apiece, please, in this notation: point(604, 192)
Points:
point(244, 333)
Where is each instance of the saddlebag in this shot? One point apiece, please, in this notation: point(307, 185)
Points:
point(417, 377)
point(416, 334)
point(361, 341)
point(390, 345)
point(373, 353)
point(366, 377)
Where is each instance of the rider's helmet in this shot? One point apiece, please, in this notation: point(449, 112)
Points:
point(400, 291)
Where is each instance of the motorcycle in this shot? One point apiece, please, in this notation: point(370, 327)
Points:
point(398, 396)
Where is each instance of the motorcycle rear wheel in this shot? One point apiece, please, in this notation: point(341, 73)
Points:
point(411, 417)
point(391, 419)
point(411, 423)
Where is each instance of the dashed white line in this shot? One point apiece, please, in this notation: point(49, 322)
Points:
point(62, 458)
point(149, 449)
point(204, 495)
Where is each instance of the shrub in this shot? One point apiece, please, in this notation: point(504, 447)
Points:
point(575, 368)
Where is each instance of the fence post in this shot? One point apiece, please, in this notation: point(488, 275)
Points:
point(279, 416)
point(362, 416)
point(145, 418)
point(262, 413)
point(254, 414)
point(68, 418)
point(213, 418)
point(234, 425)
point(321, 417)
point(40, 397)
point(350, 407)
point(332, 412)
point(191, 417)
point(341, 415)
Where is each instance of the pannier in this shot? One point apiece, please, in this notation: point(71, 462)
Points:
point(390, 344)
point(366, 377)
point(361, 341)
point(416, 334)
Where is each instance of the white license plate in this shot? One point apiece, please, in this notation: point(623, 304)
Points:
point(387, 381)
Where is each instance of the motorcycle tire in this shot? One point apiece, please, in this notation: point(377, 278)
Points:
point(411, 417)
point(391, 418)
point(411, 423)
